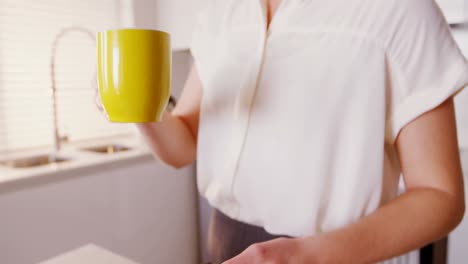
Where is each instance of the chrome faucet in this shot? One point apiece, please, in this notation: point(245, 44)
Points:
point(58, 139)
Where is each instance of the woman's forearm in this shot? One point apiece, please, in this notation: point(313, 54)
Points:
point(409, 222)
point(170, 140)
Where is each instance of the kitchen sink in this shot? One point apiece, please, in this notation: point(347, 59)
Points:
point(107, 149)
point(31, 162)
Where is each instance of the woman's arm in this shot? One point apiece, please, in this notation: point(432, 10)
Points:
point(174, 139)
point(432, 206)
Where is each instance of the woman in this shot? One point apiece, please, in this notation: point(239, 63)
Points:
point(303, 114)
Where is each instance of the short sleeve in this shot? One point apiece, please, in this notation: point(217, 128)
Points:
point(425, 64)
point(203, 38)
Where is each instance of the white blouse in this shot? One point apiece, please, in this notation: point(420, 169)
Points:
point(298, 122)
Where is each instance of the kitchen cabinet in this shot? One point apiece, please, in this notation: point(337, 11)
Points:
point(137, 208)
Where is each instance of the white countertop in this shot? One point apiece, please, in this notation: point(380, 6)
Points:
point(82, 159)
point(90, 254)
point(78, 159)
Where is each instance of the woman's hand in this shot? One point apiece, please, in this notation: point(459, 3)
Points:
point(174, 139)
point(278, 251)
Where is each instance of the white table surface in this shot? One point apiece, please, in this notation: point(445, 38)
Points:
point(89, 254)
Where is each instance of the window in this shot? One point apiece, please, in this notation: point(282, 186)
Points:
point(28, 29)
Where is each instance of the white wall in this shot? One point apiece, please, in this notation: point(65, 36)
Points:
point(174, 16)
point(461, 101)
point(178, 18)
point(455, 10)
point(144, 13)
point(138, 209)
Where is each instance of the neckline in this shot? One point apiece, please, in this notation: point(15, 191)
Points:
point(264, 9)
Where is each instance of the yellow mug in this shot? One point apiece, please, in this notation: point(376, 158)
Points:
point(134, 74)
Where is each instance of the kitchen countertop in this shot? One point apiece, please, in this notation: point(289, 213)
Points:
point(79, 159)
point(90, 254)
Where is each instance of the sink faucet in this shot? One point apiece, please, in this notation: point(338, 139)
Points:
point(58, 139)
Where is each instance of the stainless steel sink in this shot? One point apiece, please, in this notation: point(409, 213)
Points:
point(107, 149)
point(31, 162)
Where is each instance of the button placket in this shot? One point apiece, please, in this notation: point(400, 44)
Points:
point(245, 98)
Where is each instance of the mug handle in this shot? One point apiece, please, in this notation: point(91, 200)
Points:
point(172, 103)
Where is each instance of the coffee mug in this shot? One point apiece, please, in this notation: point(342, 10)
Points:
point(134, 74)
